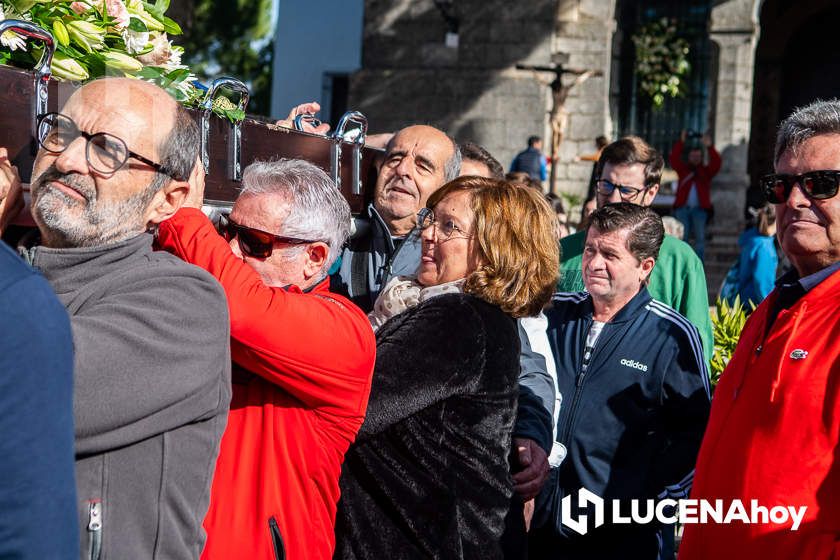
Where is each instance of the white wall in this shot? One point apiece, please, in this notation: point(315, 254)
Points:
point(313, 37)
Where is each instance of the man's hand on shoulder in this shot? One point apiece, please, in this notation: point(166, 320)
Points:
point(531, 468)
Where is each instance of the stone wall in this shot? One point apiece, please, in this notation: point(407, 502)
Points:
point(472, 91)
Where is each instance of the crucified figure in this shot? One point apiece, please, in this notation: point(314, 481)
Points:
point(559, 116)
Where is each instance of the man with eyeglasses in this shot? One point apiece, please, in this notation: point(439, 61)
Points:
point(774, 431)
point(303, 359)
point(152, 366)
point(629, 171)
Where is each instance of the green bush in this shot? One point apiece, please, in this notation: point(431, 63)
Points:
point(727, 322)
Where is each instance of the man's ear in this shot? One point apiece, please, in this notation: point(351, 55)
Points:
point(317, 254)
point(647, 268)
point(650, 194)
point(167, 201)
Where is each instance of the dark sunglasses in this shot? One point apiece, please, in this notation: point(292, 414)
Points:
point(818, 185)
point(255, 242)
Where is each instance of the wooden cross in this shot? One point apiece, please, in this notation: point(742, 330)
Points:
point(559, 116)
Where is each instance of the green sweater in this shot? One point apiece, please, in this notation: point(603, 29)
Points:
point(677, 280)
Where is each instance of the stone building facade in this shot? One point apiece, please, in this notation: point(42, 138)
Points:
point(764, 58)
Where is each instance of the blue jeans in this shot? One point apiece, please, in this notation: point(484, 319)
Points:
point(694, 221)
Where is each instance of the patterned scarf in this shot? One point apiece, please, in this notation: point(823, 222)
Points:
point(404, 292)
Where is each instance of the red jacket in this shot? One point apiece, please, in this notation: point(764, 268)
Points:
point(701, 176)
point(291, 423)
point(774, 435)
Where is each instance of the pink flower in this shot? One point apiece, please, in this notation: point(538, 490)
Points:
point(160, 53)
point(79, 7)
point(118, 11)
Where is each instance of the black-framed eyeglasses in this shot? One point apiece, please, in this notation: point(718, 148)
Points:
point(819, 185)
point(426, 218)
point(606, 188)
point(105, 153)
point(255, 242)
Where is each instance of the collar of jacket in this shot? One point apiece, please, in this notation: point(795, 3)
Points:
point(626, 313)
point(69, 269)
point(381, 228)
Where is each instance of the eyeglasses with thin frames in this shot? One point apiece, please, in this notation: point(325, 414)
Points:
point(105, 153)
point(426, 219)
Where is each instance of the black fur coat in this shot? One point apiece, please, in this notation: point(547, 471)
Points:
point(428, 476)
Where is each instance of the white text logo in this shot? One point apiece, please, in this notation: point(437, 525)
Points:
point(634, 364)
point(669, 511)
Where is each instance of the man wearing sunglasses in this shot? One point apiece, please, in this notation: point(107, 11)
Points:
point(303, 359)
point(774, 430)
point(629, 171)
point(152, 370)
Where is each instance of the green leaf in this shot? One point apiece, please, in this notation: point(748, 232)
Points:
point(151, 72)
point(178, 75)
point(162, 5)
point(153, 11)
point(171, 27)
point(136, 24)
point(22, 6)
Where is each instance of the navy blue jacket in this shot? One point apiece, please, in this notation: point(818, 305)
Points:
point(530, 161)
point(633, 422)
point(38, 490)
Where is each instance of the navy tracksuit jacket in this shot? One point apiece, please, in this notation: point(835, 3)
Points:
point(632, 423)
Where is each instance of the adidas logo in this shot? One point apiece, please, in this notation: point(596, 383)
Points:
point(634, 364)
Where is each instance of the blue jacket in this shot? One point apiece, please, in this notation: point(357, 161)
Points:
point(756, 266)
point(532, 162)
point(633, 422)
point(38, 492)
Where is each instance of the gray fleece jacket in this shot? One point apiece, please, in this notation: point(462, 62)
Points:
point(151, 391)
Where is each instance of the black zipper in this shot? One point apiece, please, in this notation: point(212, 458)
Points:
point(276, 539)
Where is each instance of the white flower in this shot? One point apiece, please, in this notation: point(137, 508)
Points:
point(11, 39)
point(135, 41)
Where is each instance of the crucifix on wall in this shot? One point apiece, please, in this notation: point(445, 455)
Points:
point(552, 76)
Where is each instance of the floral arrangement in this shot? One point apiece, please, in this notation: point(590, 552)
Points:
point(95, 38)
point(661, 61)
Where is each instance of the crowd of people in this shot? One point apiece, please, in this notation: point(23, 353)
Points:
point(440, 384)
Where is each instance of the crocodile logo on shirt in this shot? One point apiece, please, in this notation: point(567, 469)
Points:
point(634, 364)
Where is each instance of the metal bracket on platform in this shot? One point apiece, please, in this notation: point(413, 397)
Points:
point(235, 143)
point(357, 137)
point(43, 69)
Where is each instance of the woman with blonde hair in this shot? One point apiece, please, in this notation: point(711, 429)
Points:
point(428, 475)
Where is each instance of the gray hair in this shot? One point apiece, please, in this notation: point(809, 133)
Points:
point(452, 168)
point(820, 117)
point(179, 150)
point(317, 210)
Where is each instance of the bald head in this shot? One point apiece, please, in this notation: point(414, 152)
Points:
point(419, 159)
point(145, 109)
point(151, 149)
